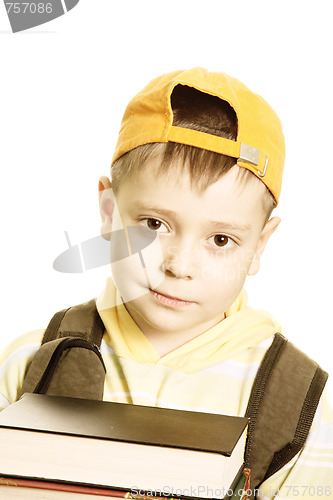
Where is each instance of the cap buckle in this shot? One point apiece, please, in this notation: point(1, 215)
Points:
point(249, 154)
point(252, 155)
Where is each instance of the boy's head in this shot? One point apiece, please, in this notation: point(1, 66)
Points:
point(199, 163)
point(211, 112)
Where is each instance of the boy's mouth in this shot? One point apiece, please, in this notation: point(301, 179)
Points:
point(169, 301)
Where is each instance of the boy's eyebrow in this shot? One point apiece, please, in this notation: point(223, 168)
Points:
point(162, 211)
point(175, 215)
point(230, 225)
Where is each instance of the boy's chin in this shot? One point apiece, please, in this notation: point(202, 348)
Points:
point(152, 317)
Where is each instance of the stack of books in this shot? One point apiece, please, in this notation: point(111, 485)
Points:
point(54, 447)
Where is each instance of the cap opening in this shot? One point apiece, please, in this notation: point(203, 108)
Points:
point(204, 112)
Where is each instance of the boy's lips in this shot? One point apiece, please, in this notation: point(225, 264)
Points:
point(167, 300)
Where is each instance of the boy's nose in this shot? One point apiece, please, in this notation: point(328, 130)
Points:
point(178, 272)
point(179, 262)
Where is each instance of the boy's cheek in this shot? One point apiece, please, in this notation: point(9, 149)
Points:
point(129, 278)
point(135, 274)
point(231, 268)
point(226, 275)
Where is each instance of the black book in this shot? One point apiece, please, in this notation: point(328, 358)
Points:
point(143, 449)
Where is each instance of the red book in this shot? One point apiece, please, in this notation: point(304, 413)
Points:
point(27, 488)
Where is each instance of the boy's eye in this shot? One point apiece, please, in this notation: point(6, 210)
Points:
point(221, 240)
point(155, 225)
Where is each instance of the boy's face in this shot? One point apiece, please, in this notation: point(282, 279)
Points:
point(209, 243)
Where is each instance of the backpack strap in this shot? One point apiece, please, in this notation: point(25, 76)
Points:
point(69, 362)
point(81, 321)
point(282, 405)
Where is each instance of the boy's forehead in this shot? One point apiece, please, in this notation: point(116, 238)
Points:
point(172, 192)
point(178, 173)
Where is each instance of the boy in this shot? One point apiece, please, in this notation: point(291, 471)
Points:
point(196, 174)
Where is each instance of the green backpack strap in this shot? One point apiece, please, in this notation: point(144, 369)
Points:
point(82, 321)
point(69, 362)
point(282, 405)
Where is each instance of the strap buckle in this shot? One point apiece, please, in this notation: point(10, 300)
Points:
point(252, 155)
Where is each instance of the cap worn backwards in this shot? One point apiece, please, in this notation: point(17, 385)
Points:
point(259, 147)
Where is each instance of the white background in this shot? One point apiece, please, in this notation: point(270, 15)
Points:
point(64, 86)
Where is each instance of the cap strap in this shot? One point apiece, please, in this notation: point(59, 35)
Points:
point(202, 140)
point(246, 155)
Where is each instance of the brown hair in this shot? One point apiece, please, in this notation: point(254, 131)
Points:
point(199, 111)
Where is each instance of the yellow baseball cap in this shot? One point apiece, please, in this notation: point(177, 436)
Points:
point(259, 147)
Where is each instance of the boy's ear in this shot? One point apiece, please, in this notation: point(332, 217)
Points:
point(106, 205)
point(266, 233)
